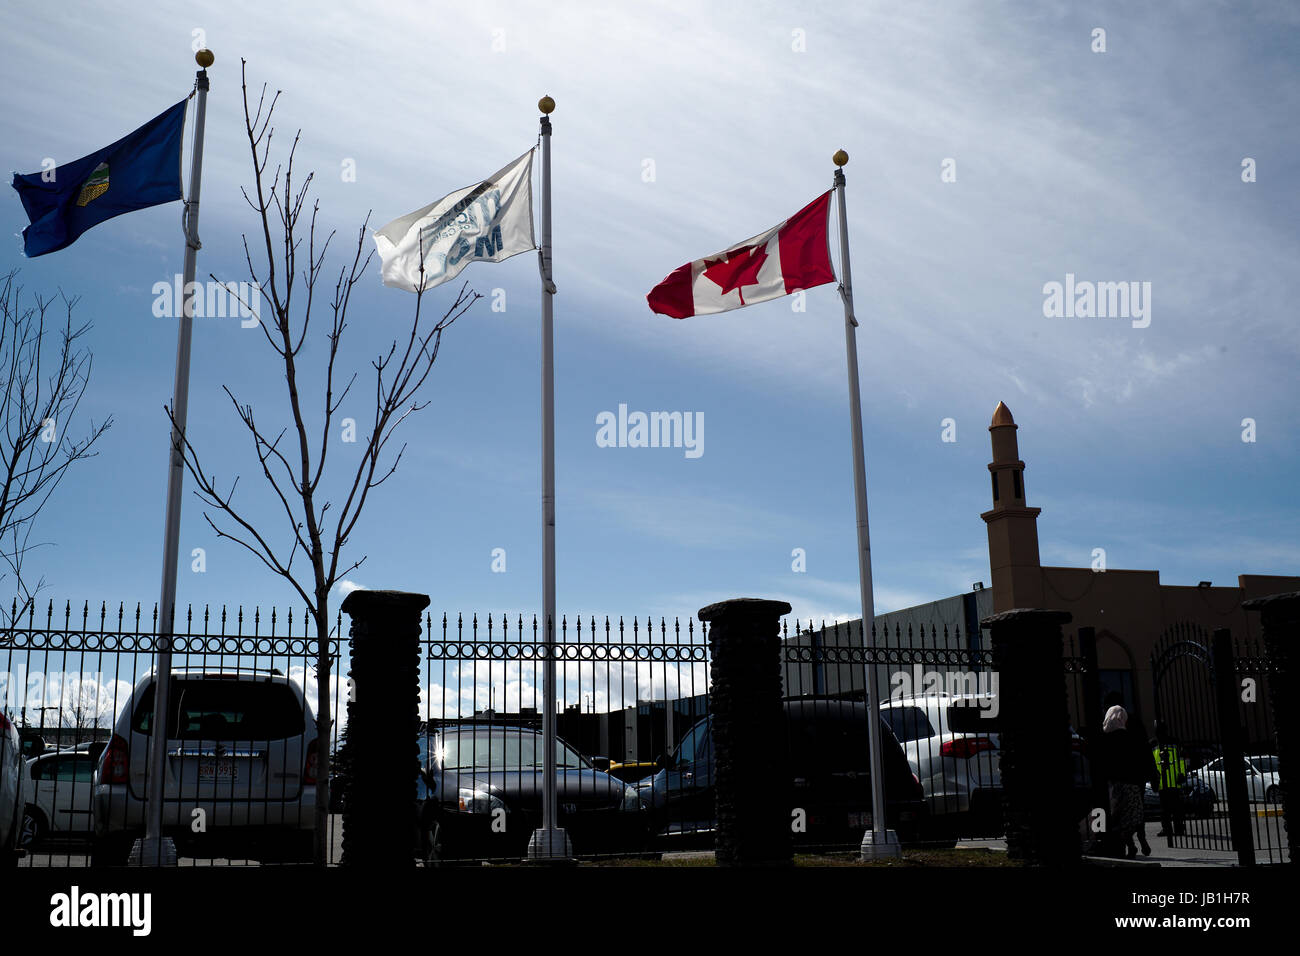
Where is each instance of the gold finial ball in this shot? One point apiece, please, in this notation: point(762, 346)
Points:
point(840, 157)
point(204, 58)
point(546, 105)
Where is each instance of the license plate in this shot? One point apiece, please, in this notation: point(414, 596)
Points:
point(217, 768)
point(859, 821)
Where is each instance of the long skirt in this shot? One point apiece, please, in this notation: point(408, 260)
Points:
point(1125, 808)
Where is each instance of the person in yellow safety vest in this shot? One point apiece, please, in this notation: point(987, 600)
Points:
point(1172, 775)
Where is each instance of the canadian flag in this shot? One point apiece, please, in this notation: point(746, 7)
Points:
point(790, 256)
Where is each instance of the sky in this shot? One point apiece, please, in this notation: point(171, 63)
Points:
point(993, 150)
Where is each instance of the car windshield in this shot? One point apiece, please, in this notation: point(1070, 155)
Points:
point(502, 750)
point(1265, 764)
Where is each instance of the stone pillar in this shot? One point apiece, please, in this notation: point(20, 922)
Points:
point(1037, 772)
point(1091, 712)
point(1280, 617)
point(379, 817)
point(750, 748)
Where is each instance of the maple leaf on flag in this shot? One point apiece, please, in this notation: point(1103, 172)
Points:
point(740, 270)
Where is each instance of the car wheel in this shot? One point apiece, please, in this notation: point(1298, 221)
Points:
point(1273, 794)
point(33, 827)
point(113, 850)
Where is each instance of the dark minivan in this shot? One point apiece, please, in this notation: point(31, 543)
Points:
point(830, 779)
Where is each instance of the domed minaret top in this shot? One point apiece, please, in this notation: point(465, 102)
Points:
point(1001, 416)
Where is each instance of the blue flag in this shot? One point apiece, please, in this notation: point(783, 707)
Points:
point(141, 169)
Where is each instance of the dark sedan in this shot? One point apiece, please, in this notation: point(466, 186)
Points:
point(481, 795)
point(830, 779)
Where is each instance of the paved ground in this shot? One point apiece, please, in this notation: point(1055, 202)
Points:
point(1269, 840)
point(74, 853)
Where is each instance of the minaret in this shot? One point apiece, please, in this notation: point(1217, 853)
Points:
point(1013, 527)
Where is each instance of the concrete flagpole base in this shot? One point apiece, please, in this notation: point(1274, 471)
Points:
point(550, 846)
point(146, 851)
point(879, 846)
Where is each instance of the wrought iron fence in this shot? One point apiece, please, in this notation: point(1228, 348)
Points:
point(78, 686)
point(632, 701)
point(1213, 714)
point(632, 712)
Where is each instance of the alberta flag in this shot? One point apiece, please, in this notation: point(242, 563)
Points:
point(487, 222)
point(141, 169)
point(790, 256)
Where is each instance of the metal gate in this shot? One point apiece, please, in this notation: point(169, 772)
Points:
point(1211, 717)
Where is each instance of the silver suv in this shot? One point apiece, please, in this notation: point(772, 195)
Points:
point(953, 748)
point(240, 765)
point(11, 791)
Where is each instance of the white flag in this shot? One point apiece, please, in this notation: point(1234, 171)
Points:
point(487, 222)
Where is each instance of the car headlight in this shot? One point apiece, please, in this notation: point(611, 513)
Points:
point(477, 801)
point(632, 799)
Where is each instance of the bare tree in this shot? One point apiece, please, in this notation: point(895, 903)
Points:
point(43, 382)
point(293, 467)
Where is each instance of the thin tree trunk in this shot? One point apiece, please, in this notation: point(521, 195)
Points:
point(323, 734)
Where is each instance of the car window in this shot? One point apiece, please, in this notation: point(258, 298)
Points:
point(974, 716)
point(217, 709)
point(908, 723)
point(695, 746)
point(76, 768)
point(502, 750)
point(828, 743)
point(1265, 764)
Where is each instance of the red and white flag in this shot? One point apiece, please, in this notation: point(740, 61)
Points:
point(790, 256)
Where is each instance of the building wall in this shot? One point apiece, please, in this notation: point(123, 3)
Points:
point(1130, 610)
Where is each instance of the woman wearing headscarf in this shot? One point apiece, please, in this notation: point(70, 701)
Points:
point(1127, 765)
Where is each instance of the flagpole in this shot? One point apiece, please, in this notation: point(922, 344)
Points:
point(154, 851)
point(879, 841)
point(548, 843)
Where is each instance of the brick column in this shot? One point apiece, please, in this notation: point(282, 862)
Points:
point(379, 817)
point(1037, 774)
point(750, 751)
